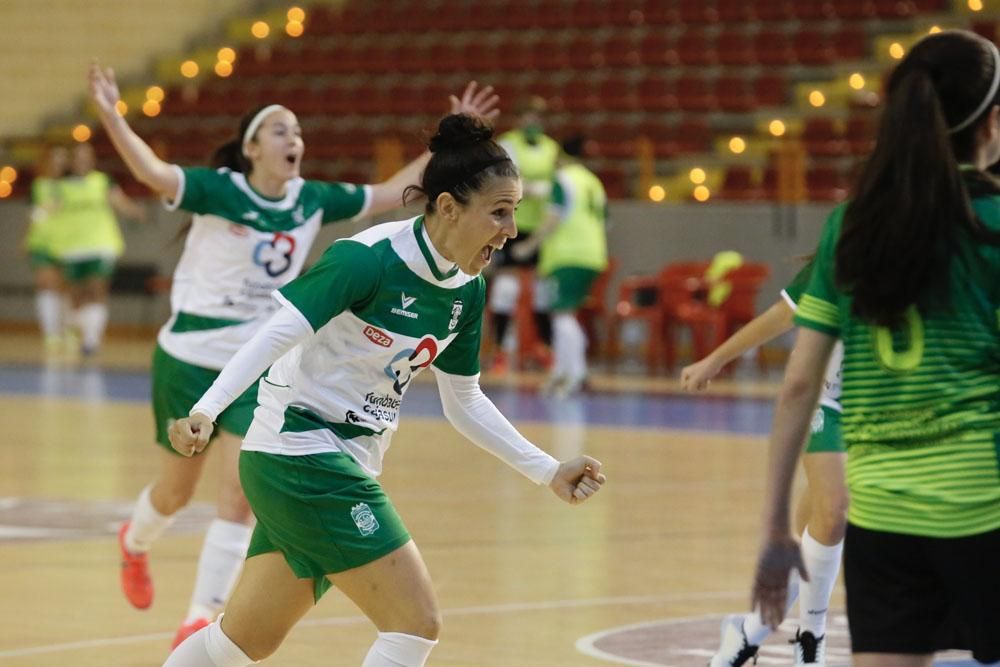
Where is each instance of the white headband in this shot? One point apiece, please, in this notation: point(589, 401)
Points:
point(989, 95)
point(255, 124)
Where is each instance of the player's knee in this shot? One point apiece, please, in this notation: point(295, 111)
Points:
point(171, 499)
point(429, 625)
point(829, 516)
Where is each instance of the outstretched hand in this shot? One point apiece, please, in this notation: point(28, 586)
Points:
point(190, 436)
point(476, 101)
point(104, 89)
point(578, 479)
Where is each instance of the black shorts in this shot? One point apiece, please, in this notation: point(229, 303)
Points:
point(505, 259)
point(917, 595)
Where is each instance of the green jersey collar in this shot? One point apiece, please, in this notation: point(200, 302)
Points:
point(434, 259)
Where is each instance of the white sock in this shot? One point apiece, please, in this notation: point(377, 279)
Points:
point(395, 649)
point(562, 346)
point(146, 524)
point(209, 647)
point(569, 344)
point(49, 305)
point(823, 564)
point(753, 625)
point(219, 566)
point(93, 319)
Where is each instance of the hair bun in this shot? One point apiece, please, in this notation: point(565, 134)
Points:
point(459, 131)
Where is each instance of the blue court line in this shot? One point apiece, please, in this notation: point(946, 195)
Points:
point(744, 416)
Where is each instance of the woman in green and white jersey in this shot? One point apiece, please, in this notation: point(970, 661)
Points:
point(907, 275)
point(253, 224)
point(822, 515)
point(347, 341)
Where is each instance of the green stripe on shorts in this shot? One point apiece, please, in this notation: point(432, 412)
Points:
point(321, 511)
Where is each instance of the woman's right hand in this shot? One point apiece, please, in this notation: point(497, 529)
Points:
point(697, 376)
point(190, 436)
point(104, 90)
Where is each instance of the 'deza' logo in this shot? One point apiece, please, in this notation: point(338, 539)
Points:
point(378, 336)
point(275, 256)
point(400, 370)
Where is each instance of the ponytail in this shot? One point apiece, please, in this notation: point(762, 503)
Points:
point(910, 204)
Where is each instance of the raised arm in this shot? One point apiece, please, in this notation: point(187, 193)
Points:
point(773, 322)
point(144, 164)
point(388, 194)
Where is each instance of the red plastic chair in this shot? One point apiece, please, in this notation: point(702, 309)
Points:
point(593, 313)
point(741, 305)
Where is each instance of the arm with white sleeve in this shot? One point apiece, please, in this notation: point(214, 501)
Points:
point(286, 329)
point(473, 415)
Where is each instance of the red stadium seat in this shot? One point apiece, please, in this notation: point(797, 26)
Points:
point(658, 12)
point(825, 184)
point(618, 94)
point(735, 11)
point(621, 51)
point(697, 11)
point(661, 138)
point(856, 10)
point(615, 139)
point(738, 184)
point(735, 93)
point(695, 93)
point(860, 134)
point(774, 47)
point(895, 9)
point(850, 44)
point(657, 93)
point(695, 47)
point(813, 10)
point(583, 52)
point(735, 47)
point(824, 137)
point(693, 135)
point(773, 10)
point(655, 49)
point(813, 47)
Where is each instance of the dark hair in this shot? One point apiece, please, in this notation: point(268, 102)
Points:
point(464, 158)
point(574, 145)
point(910, 203)
point(230, 154)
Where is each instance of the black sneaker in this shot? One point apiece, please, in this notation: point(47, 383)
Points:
point(809, 649)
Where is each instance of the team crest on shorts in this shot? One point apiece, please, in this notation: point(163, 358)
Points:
point(364, 519)
point(818, 421)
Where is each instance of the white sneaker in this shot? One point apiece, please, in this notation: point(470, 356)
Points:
point(734, 649)
point(809, 649)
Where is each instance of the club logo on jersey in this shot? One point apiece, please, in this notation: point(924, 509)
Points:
point(378, 336)
point(275, 256)
point(251, 216)
point(406, 302)
point(364, 519)
point(456, 313)
point(298, 215)
point(352, 417)
point(401, 369)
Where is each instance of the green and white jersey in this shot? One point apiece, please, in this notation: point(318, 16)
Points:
point(921, 416)
point(242, 246)
point(792, 294)
point(384, 305)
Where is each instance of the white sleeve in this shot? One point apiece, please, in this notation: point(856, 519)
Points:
point(283, 331)
point(474, 416)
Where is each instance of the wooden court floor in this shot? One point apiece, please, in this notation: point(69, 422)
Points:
point(523, 579)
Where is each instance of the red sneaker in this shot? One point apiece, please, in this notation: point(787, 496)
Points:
point(136, 584)
point(188, 629)
point(499, 365)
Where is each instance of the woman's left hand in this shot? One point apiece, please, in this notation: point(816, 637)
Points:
point(578, 479)
point(778, 557)
point(476, 101)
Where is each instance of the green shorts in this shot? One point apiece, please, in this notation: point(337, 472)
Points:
point(321, 511)
point(177, 386)
point(825, 433)
point(76, 271)
point(40, 259)
point(569, 287)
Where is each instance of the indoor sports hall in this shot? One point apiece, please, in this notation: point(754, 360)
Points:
point(721, 135)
